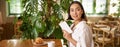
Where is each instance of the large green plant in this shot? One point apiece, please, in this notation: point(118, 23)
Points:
point(45, 20)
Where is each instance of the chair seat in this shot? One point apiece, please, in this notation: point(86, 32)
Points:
point(105, 39)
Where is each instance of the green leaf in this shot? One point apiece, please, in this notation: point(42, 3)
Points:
point(50, 31)
point(58, 33)
point(40, 26)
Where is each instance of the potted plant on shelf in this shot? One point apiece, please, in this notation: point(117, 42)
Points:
point(41, 17)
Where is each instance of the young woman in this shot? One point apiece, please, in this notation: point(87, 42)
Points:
point(82, 34)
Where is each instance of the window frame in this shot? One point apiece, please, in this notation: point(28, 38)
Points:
point(94, 11)
point(10, 13)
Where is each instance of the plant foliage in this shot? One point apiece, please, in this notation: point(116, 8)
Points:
point(42, 16)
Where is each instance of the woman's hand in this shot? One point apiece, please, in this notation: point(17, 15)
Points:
point(67, 35)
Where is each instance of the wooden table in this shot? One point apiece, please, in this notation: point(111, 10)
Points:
point(27, 43)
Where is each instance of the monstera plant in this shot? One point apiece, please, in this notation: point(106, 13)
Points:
point(41, 17)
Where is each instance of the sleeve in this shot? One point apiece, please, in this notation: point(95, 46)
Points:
point(84, 39)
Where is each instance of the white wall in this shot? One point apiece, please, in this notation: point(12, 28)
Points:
point(3, 10)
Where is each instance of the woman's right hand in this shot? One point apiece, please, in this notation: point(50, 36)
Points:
point(66, 35)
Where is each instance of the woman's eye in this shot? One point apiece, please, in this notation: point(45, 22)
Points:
point(78, 9)
point(71, 10)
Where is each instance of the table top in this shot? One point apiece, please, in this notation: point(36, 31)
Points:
point(27, 43)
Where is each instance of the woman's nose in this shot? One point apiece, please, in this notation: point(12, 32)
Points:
point(75, 12)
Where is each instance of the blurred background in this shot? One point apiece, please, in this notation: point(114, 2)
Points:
point(103, 13)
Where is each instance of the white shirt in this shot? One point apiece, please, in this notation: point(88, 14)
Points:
point(83, 35)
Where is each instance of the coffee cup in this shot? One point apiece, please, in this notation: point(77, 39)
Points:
point(51, 44)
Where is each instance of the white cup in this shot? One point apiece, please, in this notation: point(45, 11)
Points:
point(51, 44)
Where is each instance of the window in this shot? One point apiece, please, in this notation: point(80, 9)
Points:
point(88, 6)
point(14, 7)
point(92, 7)
point(114, 5)
point(101, 6)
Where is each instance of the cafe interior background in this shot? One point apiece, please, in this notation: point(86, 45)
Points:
point(103, 18)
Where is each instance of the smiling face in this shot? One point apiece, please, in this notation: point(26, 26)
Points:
point(76, 12)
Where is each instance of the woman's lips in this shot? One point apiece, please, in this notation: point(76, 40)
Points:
point(75, 16)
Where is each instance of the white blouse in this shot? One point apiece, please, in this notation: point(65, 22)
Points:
point(83, 35)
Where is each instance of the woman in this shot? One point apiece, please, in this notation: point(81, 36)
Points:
point(82, 34)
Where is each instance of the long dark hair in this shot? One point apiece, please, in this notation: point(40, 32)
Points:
point(83, 15)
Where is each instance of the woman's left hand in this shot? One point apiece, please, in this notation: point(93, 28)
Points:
point(66, 35)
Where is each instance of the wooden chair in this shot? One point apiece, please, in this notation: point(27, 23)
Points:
point(106, 38)
point(16, 29)
point(118, 38)
point(117, 34)
point(1, 31)
point(96, 44)
point(95, 33)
